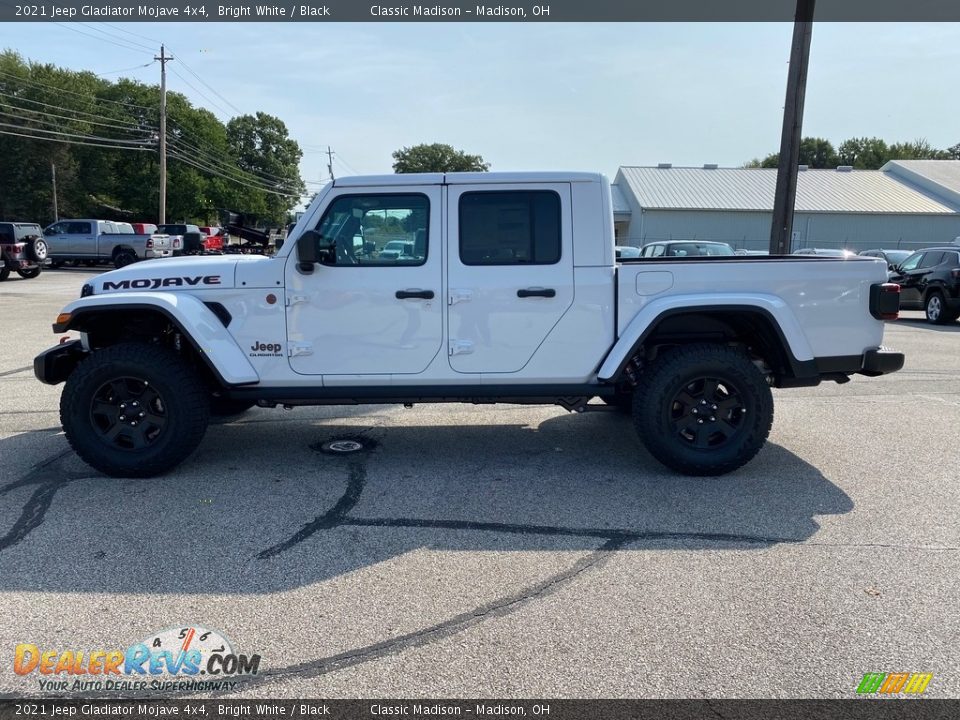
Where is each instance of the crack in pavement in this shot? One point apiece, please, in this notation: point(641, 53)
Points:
point(419, 638)
point(49, 477)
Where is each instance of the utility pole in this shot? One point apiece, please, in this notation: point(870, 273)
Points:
point(164, 58)
point(330, 162)
point(53, 176)
point(781, 230)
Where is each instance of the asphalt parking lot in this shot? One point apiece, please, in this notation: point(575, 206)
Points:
point(500, 551)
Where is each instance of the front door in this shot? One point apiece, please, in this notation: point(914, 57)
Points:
point(375, 307)
point(510, 265)
point(910, 279)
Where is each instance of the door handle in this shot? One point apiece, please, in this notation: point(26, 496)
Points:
point(414, 294)
point(537, 292)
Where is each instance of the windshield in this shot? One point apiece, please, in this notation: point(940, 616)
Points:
point(897, 256)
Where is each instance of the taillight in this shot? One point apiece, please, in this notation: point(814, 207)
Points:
point(149, 242)
point(885, 301)
point(955, 273)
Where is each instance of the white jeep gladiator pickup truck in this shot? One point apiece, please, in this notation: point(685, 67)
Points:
point(509, 293)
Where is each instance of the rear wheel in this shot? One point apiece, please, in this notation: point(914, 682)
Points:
point(935, 308)
point(4, 274)
point(703, 409)
point(122, 258)
point(134, 410)
point(29, 274)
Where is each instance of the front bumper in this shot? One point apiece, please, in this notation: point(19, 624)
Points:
point(54, 365)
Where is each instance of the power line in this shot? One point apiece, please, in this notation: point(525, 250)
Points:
point(214, 153)
point(234, 172)
point(189, 70)
point(66, 134)
point(117, 27)
point(73, 142)
point(69, 110)
point(86, 96)
point(126, 45)
point(202, 168)
point(114, 72)
point(201, 93)
point(116, 126)
point(50, 123)
point(115, 36)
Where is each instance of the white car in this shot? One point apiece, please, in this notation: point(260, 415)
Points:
point(512, 294)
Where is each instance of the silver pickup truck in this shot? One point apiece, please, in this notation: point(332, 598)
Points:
point(94, 241)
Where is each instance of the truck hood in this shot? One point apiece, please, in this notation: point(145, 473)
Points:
point(172, 274)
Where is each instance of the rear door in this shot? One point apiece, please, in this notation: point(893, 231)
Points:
point(510, 265)
point(83, 236)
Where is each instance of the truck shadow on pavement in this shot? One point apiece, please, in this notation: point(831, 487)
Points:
point(262, 508)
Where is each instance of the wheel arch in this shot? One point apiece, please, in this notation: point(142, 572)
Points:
point(152, 317)
point(769, 329)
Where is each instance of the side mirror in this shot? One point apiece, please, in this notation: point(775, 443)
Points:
point(313, 248)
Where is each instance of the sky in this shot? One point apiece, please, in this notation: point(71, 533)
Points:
point(525, 96)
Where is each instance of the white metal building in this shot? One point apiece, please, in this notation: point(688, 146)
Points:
point(907, 204)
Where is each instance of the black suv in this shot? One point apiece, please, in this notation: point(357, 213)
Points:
point(929, 280)
point(22, 249)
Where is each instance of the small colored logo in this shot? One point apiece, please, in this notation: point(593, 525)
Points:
point(894, 683)
point(155, 663)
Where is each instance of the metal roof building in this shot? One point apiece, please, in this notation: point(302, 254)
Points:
point(905, 204)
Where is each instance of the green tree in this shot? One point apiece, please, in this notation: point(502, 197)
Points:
point(864, 153)
point(814, 152)
point(263, 148)
point(436, 157)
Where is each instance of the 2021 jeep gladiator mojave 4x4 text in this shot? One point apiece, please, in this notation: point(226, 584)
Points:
point(510, 293)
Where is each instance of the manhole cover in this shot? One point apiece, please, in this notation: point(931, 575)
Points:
point(341, 446)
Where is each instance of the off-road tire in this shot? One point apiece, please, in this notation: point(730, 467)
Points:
point(739, 411)
point(37, 248)
point(29, 274)
point(4, 274)
point(225, 407)
point(181, 415)
point(122, 258)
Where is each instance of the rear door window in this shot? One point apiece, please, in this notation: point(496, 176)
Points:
point(931, 259)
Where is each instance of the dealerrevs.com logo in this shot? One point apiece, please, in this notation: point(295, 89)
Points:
point(183, 658)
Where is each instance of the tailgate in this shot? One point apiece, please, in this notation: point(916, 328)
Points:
point(161, 242)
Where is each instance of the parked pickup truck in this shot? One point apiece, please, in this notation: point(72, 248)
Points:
point(513, 296)
point(93, 241)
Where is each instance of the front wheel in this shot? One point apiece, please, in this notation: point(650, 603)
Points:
point(29, 274)
point(134, 410)
point(703, 409)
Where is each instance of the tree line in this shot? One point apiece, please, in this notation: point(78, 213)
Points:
point(102, 138)
point(862, 153)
